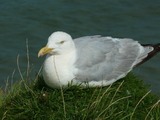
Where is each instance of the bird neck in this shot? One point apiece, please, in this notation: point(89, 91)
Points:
point(67, 59)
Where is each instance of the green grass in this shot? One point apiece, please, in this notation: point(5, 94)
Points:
point(127, 99)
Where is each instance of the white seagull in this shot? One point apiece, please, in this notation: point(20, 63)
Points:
point(91, 60)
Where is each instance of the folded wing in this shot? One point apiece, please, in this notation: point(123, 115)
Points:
point(105, 58)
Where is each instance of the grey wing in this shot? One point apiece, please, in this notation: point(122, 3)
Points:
point(105, 58)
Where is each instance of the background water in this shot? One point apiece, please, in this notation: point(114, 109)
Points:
point(34, 21)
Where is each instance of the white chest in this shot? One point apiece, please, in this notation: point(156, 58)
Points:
point(59, 70)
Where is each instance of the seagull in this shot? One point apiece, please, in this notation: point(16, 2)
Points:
point(91, 60)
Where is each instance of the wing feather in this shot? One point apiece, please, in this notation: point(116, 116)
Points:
point(105, 58)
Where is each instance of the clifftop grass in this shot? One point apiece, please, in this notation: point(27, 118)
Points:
point(127, 99)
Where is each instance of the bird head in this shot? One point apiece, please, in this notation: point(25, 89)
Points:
point(58, 43)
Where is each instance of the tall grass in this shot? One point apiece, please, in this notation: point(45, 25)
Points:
point(127, 99)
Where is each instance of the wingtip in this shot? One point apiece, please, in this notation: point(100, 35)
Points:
point(156, 50)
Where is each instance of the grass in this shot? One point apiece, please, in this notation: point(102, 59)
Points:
point(127, 99)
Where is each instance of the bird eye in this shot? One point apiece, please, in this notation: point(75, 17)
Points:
point(61, 42)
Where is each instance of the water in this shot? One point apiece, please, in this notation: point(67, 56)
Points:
point(34, 21)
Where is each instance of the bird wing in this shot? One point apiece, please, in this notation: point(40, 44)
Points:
point(105, 58)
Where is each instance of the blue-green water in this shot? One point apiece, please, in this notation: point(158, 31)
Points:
point(34, 21)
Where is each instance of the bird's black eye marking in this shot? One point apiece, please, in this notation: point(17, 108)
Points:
point(61, 42)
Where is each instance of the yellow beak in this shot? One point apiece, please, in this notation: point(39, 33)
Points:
point(44, 51)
